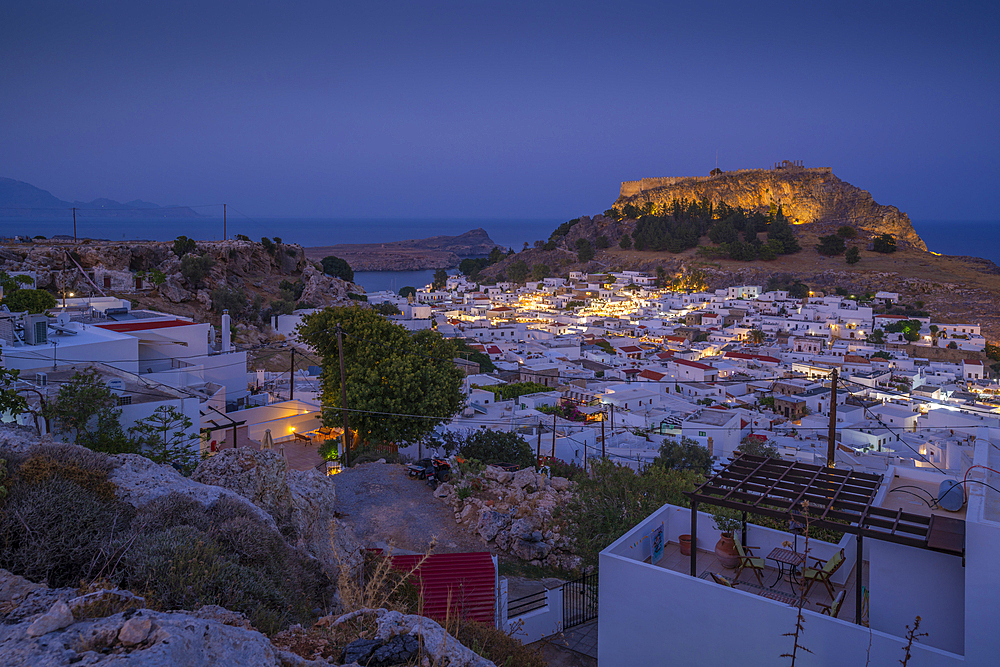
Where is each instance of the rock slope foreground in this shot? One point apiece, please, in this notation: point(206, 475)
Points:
point(805, 195)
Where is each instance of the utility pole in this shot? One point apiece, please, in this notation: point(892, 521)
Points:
point(831, 445)
point(343, 397)
point(74, 224)
point(612, 420)
point(291, 378)
point(553, 438)
point(604, 453)
point(224, 237)
point(538, 447)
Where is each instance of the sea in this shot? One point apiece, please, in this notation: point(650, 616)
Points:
point(976, 238)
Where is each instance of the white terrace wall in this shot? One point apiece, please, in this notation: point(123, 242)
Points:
point(539, 623)
point(653, 616)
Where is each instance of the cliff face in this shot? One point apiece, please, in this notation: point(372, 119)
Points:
point(805, 195)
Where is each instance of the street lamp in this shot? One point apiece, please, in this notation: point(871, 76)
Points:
point(64, 298)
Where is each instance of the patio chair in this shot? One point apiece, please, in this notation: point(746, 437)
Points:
point(725, 581)
point(747, 560)
point(833, 608)
point(822, 574)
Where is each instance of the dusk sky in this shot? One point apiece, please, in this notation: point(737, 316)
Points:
point(506, 110)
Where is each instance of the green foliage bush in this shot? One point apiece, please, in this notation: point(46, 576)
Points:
point(831, 245)
point(884, 243)
point(183, 245)
point(684, 455)
point(195, 268)
point(338, 268)
point(584, 251)
point(29, 300)
point(615, 498)
point(853, 255)
point(625, 242)
point(497, 447)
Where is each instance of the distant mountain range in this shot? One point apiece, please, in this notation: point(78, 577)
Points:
point(23, 200)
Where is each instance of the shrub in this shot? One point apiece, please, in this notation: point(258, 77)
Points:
point(847, 232)
point(615, 498)
point(884, 243)
point(602, 242)
point(497, 646)
point(684, 455)
point(169, 511)
point(183, 245)
point(831, 245)
point(31, 300)
point(195, 268)
point(584, 251)
point(853, 255)
point(57, 531)
point(37, 469)
point(497, 447)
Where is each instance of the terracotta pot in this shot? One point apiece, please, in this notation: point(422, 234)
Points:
point(725, 550)
point(685, 541)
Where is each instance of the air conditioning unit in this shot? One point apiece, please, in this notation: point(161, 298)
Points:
point(36, 329)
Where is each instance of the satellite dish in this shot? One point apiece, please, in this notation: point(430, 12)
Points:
point(951, 497)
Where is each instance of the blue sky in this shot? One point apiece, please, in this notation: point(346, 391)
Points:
point(426, 109)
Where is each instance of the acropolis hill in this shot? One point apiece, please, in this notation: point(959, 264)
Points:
point(806, 195)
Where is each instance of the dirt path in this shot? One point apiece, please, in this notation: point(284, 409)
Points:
point(384, 507)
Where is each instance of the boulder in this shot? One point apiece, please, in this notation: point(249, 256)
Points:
point(530, 550)
point(399, 650)
point(441, 647)
point(359, 650)
point(444, 491)
point(491, 522)
point(135, 630)
point(524, 526)
point(560, 483)
point(172, 291)
point(498, 474)
point(526, 479)
point(56, 618)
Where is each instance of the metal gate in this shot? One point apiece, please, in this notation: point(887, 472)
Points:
point(579, 600)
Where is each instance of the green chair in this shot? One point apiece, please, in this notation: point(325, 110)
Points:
point(833, 608)
point(822, 574)
point(747, 560)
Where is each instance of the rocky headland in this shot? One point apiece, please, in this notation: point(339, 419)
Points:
point(436, 252)
point(806, 195)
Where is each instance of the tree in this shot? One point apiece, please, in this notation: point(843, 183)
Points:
point(407, 292)
point(183, 245)
point(402, 385)
point(584, 251)
point(756, 336)
point(518, 272)
point(165, 437)
point(684, 455)
point(602, 242)
point(194, 268)
point(877, 337)
point(387, 308)
point(884, 243)
point(847, 232)
point(338, 268)
point(540, 272)
point(831, 245)
point(29, 300)
point(626, 241)
point(440, 279)
point(853, 255)
point(780, 231)
point(86, 406)
point(488, 447)
point(756, 447)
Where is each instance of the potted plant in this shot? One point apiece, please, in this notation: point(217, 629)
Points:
point(728, 521)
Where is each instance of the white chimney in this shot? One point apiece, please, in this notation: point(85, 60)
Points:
point(226, 334)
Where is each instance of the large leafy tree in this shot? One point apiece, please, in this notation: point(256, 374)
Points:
point(684, 455)
point(338, 268)
point(402, 385)
point(11, 402)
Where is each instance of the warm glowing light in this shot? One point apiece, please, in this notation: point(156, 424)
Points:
point(292, 429)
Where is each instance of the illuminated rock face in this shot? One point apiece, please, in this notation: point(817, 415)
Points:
point(805, 196)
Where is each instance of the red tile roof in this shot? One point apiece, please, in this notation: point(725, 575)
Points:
point(694, 364)
point(652, 375)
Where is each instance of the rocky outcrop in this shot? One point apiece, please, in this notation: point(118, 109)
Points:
point(57, 626)
point(440, 647)
point(302, 503)
point(805, 196)
point(515, 513)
